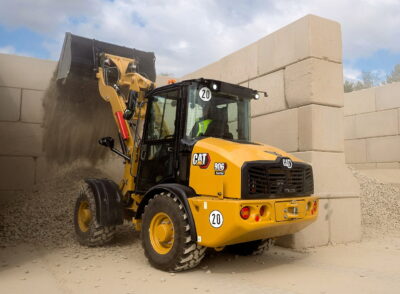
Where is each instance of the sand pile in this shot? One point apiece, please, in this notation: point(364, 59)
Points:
point(44, 216)
point(380, 206)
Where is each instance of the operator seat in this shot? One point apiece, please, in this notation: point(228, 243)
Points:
point(219, 127)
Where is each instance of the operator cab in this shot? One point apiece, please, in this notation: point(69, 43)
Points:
point(183, 113)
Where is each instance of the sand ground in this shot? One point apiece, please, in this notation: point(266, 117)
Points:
point(371, 266)
point(39, 254)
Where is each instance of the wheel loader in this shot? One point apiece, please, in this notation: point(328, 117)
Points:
point(193, 179)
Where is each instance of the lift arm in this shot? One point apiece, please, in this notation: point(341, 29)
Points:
point(125, 77)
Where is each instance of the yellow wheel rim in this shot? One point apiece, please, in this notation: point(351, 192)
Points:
point(161, 233)
point(84, 216)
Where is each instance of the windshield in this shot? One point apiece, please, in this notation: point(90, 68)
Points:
point(217, 114)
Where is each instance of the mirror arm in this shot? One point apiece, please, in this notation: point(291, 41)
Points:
point(116, 151)
point(109, 142)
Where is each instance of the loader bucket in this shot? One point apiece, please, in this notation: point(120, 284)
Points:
point(75, 114)
point(79, 58)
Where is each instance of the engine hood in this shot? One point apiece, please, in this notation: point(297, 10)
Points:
point(238, 153)
point(216, 165)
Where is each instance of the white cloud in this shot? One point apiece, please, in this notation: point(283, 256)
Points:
point(186, 35)
point(352, 74)
point(7, 50)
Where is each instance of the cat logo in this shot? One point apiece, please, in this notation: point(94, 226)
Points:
point(201, 159)
point(287, 162)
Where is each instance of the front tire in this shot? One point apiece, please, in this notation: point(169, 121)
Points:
point(87, 229)
point(166, 237)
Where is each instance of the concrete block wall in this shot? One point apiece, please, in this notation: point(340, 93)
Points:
point(23, 81)
point(372, 127)
point(300, 66)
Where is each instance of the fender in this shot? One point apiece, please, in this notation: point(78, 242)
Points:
point(181, 191)
point(109, 211)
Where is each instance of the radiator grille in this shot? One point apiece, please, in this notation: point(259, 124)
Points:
point(272, 180)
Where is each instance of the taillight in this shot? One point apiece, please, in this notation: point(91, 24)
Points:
point(262, 210)
point(245, 212)
point(257, 218)
point(315, 207)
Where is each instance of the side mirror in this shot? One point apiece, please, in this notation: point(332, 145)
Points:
point(107, 142)
point(130, 105)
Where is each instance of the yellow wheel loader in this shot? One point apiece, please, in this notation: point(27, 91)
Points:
point(193, 179)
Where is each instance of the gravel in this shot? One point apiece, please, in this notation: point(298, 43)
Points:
point(44, 215)
point(380, 206)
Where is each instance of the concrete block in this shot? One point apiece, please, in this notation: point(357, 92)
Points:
point(25, 72)
point(398, 117)
point(320, 128)
point(10, 104)
point(345, 220)
point(316, 234)
point(314, 81)
point(278, 129)
point(388, 96)
point(350, 127)
point(20, 139)
point(273, 85)
point(16, 173)
point(361, 101)
point(163, 80)
point(32, 106)
point(211, 71)
point(332, 177)
point(241, 65)
point(368, 165)
point(325, 38)
point(375, 124)
point(388, 165)
point(383, 149)
point(355, 151)
point(310, 36)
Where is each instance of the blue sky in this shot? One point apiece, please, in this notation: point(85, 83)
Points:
point(186, 35)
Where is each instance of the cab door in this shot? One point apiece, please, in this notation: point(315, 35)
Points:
point(158, 150)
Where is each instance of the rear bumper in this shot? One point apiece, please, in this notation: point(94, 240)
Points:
point(229, 228)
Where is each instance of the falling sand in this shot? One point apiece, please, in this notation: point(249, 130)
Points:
point(76, 117)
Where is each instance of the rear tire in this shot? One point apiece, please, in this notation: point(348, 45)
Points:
point(257, 247)
point(87, 229)
point(166, 237)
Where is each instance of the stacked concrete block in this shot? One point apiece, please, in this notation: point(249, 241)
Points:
point(388, 96)
point(32, 106)
point(22, 84)
point(314, 81)
point(10, 104)
point(277, 129)
point(300, 66)
point(320, 128)
point(361, 101)
point(372, 127)
point(274, 85)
